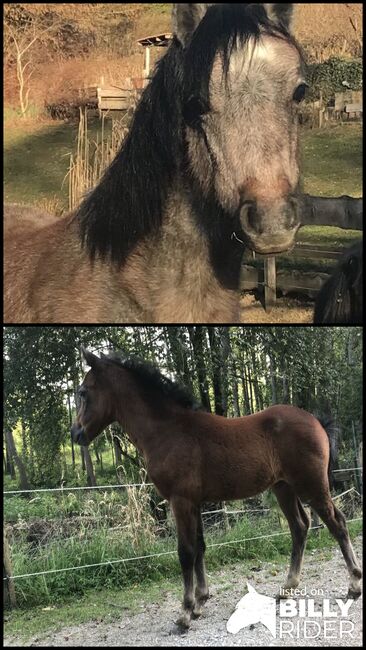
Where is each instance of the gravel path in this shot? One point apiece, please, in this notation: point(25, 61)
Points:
point(154, 625)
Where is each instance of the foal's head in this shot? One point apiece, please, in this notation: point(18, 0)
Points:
point(243, 79)
point(125, 390)
point(94, 401)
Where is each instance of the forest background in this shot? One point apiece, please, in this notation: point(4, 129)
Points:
point(233, 371)
point(74, 515)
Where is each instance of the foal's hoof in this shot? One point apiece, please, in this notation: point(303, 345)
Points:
point(184, 621)
point(354, 594)
point(197, 612)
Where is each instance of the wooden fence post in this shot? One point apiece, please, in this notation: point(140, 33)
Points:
point(269, 283)
point(225, 517)
point(9, 589)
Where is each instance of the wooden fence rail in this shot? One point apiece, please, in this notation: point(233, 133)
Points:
point(343, 212)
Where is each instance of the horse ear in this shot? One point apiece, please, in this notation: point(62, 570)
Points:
point(91, 359)
point(281, 13)
point(186, 18)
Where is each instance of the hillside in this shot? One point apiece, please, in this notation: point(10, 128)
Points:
point(316, 21)
point(98, 41)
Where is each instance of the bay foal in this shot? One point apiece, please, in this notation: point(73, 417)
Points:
point(192, 456)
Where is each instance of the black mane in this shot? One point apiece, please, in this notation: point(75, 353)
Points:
point(150, 379)
point(340, 300)
point(127, 204)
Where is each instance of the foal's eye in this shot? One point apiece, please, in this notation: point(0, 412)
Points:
point(300, 93)
point(82, 393)
point(193, 110)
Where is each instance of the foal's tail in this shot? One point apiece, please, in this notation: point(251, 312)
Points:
point(333, 432)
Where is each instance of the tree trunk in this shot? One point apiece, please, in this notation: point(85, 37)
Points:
point(70, 422)
point(272, 372)
point(179, 355)
point(89, 467)
point(196, 335)
point(8, 462)
point(285, 387)
point(234, 385)
point(23, 478)
point(258, 397)
point(216, 372)
point(82, 459)
point(246, 404)
point(250, 389)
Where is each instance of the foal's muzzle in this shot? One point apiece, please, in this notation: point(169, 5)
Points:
point(78, 435)
point(270, 228)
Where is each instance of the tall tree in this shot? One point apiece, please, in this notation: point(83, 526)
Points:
point(196, 335)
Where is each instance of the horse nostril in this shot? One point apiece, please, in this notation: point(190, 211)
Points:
point(250, 221)
point(255, 224)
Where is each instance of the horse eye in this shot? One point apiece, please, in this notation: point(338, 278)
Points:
point(82, 393)
point(300, 93)
point(193, 110)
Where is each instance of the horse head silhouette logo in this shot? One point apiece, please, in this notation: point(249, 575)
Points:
point(251, 609)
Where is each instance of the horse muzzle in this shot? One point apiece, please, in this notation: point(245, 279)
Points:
point(78, 435)
point(270, 229)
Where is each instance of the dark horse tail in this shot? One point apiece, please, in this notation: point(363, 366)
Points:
point(332, 430)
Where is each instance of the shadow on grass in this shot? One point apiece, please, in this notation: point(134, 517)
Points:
point(35, 165)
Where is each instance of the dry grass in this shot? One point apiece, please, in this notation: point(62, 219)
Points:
point(287, 310)
point(93, 157)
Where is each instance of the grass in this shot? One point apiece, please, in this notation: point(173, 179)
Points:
point(332, 160)
point(107, 603)
point(36, 160)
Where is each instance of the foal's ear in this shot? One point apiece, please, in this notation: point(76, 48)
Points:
point(281, 13)
point(91, 359)
point(186, 18)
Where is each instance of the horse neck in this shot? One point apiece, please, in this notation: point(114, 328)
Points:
point(147, 426)
point(185, 273)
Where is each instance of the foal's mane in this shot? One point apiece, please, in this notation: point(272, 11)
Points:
point(128, 203)
point(151, 380)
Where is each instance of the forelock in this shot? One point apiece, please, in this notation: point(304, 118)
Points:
point(224, 30)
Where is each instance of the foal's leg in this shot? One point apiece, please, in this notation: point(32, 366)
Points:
point(335, 521)
point(186, 519)
point(199, 567)
point(298, 522)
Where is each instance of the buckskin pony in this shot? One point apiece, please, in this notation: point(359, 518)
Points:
point(210, 166)
point(193, 457)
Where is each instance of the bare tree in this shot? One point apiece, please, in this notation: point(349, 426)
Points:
point(354, 18)
point(22, 40)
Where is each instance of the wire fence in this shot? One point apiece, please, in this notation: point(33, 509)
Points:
point(151, 555)
point(122, 485)
point(9, 579)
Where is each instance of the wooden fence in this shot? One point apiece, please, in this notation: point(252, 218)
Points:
point(343, 212)
point(116, 99)
point(343, 107)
